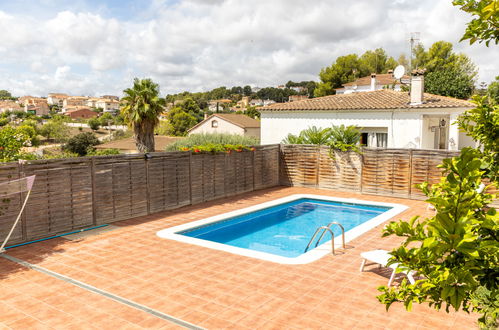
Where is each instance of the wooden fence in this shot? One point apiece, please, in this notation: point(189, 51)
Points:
point(79, 193)
point(83, 192)
point(385, 172)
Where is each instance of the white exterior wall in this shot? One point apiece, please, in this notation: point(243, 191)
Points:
point(224, 127)
point(406, 129)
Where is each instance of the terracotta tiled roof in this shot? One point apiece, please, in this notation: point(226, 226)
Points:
point(380, 99)
point(242, 121)
point(381, 79)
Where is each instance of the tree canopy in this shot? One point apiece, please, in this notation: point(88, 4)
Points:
point(493, 91)
point(456, 251)
point(484, 27)
point(349, 67)
point(447, 73)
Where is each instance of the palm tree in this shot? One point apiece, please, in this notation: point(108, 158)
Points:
point(344, 138)
point(311, 135)
point(140, 108)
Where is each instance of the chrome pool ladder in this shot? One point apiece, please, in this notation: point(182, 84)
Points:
point(324, 229)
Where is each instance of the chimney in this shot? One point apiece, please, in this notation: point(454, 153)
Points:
point(373, 81)
point(390, 72)
point(205, 115)
point(417, 87)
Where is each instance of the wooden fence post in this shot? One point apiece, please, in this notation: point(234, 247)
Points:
point(410, 173)
point(92, 178)
point(318, 160)
point(148, 194)
point(190, 177)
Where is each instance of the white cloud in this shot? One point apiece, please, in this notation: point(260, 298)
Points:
point(198, 45)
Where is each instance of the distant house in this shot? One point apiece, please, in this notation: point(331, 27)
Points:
point(34, 105)
point(371, 83)
point(218, 105)
point(56, 99)
point(386, 118)
point(108, 105)
point(80, 113)
point(74, 101)
point(9, 105)
point(261, 103)
point(228, 124)
point(127, 145)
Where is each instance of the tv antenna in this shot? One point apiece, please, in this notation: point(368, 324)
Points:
point(414, 39)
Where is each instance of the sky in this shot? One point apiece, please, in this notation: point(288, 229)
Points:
point(90, 47)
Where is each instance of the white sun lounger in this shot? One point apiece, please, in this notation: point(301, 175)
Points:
point(381, 257)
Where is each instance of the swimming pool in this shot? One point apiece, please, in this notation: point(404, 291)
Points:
point(280, 230)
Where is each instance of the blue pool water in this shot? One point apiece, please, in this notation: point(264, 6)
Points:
point(285, 229)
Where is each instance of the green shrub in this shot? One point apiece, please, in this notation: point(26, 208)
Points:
point(4, 121)
point(213, 139)
point(94, 123)
point(80, 143)
point(214, 148)
point(12, 141)
point(102, 152)
point(343, 138)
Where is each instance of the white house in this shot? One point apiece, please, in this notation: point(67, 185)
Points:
point(108, 105)
point(228, 124)
point(386, 118)
point(56, 99)
point(371, 83)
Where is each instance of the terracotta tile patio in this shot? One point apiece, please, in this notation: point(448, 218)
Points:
point(208, 288)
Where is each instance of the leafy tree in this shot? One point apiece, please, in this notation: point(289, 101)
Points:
point(94, 123)
point(402, 60)
point(141, 107)
point(106, 119)
point(163, 128)
point(180, 121)
point(252, 112)
point(344, 69)
point(4, 94)
point(54, 129)
point(4, 121)
point(493, 91)
point(485, 23)
point(12, 140)
point(80, 143)
point(31, 132)
point(275, 94)
point(376, 61)
point(482, 124)
point(192, 108)
point(451, 82)
point(219, 93)
point(247, 90)
point(447, 73)
point(456, 252)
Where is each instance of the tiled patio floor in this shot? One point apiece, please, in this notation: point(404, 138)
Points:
point(211, 289)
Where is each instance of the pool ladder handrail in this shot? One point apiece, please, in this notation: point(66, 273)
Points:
point(324, 229)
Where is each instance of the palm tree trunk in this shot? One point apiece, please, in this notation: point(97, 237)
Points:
point(144, 136)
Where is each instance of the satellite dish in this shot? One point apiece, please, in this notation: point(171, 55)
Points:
point(399, 72)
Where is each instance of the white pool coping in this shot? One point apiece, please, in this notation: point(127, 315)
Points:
point(310, 256)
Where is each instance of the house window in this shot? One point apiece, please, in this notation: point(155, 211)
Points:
point(374, 137)
point(214, 124)
point(381, 140)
